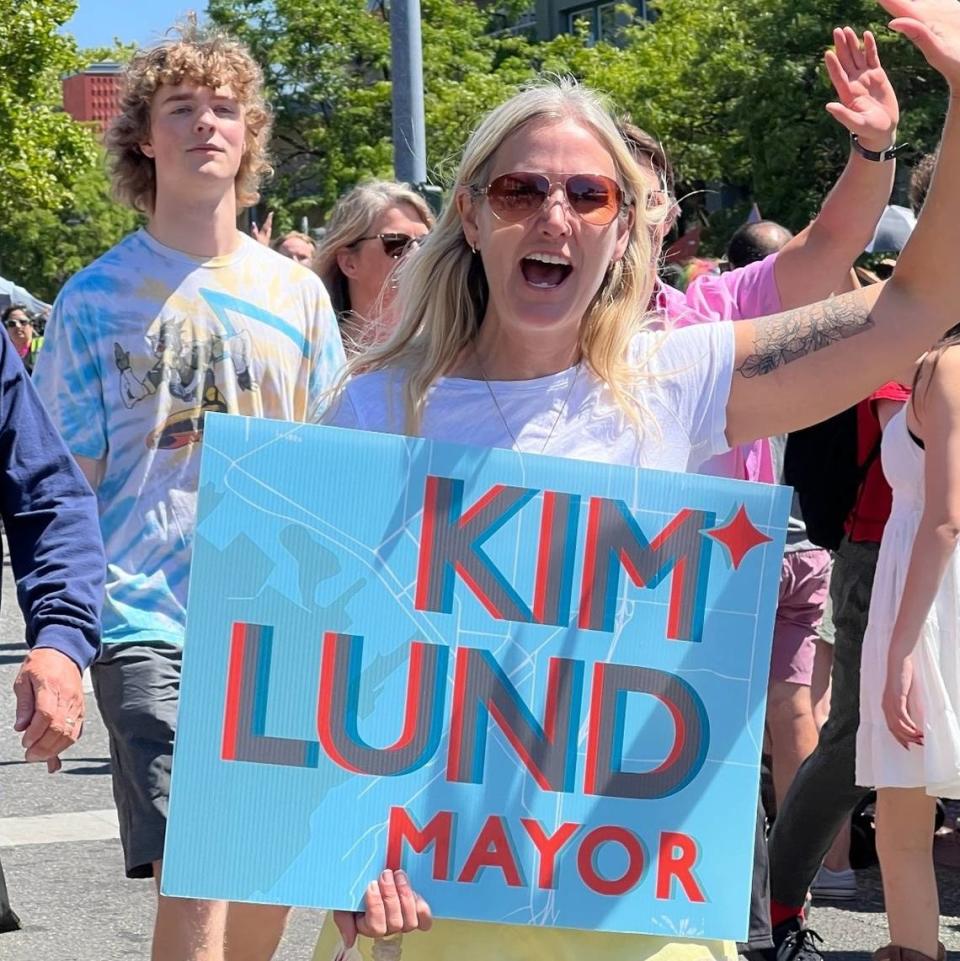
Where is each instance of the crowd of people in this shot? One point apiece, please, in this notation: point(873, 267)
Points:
point(541, 271)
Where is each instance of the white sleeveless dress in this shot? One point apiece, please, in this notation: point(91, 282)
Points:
point(881, 761)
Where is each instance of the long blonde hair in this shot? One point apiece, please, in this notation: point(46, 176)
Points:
point(353, 217)
point(443, 289)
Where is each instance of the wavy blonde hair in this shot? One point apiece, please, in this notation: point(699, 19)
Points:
point(443, 289)
point(353, 217)
point(209, 59)
point(294, 235)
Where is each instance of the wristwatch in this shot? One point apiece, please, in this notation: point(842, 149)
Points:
point(878, 156)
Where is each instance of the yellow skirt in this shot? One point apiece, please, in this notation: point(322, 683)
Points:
point(475, 941)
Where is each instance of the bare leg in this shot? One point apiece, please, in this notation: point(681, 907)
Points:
point(838, 857)
point(793, 733)
point(254, 931)
point(187, 930)
point(905, 845)
point(820, 687)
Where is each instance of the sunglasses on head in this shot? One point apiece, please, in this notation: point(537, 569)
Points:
point(394, 245)
point(513, 197)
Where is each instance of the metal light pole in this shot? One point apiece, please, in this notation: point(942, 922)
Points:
point(409, 135)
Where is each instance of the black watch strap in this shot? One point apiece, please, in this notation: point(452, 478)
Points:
point(878, 156)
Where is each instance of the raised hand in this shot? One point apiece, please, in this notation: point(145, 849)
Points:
point(868, 105)
point(263, 235)
point(933, 26)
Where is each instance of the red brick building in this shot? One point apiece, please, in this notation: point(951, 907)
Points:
point(94, 95)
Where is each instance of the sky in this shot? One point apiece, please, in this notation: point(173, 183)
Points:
point(97, 22)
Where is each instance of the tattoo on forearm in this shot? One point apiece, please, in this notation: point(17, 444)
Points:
point(799, 332)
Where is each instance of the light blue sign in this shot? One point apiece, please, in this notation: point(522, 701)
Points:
point(537, 684)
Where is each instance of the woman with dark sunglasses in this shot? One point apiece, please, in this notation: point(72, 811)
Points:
point(524, 318)
point(22, 333)
point(371, 228)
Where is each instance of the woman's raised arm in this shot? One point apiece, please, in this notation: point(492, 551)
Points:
point(799, 367)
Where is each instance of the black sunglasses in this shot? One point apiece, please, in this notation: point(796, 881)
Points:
point(394, 245)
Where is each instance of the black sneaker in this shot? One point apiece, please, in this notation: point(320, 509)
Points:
point(794, 942)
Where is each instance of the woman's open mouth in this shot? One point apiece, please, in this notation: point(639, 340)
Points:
point(546, 271)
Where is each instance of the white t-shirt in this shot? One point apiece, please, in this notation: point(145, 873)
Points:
point(689, 373)
point(685, 387)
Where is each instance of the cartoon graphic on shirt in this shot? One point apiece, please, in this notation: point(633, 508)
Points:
point(181, 366)
point(186, 426)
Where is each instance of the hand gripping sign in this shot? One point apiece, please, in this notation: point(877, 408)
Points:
point(537, 684)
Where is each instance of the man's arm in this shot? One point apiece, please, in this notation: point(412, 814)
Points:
point(816, 262)
point(53, 532)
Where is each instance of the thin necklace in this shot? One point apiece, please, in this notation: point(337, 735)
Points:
point(496, 403)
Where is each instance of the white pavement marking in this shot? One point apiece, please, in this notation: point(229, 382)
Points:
point(51, 828)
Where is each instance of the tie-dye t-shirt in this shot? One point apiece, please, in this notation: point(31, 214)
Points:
point(141, 344)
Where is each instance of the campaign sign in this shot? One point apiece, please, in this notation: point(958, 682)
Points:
point(536, 684)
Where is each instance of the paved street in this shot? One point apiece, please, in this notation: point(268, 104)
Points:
point(72, 897)
point(76, 905)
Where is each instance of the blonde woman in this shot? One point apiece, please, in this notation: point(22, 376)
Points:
point(372, 228)
point(297, 246)
point(524, 317)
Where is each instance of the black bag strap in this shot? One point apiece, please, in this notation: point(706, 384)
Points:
point(862, 476)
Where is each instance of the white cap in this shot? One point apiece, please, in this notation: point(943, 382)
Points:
point(892, 231)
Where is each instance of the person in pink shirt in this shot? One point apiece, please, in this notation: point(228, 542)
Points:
point(809, 267)
point(817, 261)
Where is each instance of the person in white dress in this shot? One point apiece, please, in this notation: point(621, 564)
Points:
point(524, 326)
point(908, 742)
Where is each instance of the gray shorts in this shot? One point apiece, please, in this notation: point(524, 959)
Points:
point(138, 688)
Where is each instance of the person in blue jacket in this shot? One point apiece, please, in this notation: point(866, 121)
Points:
point(53, 537)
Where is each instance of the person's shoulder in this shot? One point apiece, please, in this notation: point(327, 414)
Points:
point(939, 375)
point(948, 363)
point(110, 273)
point(371, 387)
point(655, 344)
point(681, 362)
point(276, 263)
point(376, 398)
point(298, 279)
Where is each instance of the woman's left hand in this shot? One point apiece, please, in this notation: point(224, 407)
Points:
point(390, 906)
point(899, 701)
point(868, 105)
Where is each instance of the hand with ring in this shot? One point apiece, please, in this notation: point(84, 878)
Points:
point(50, 705)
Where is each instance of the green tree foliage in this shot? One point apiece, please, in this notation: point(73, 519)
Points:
point(56, 214)
point(117, 52)
point(328, 73)
point(734, 88)
point(42, 150)
point(736, 91)
point(41, 248)
point(795, 149)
